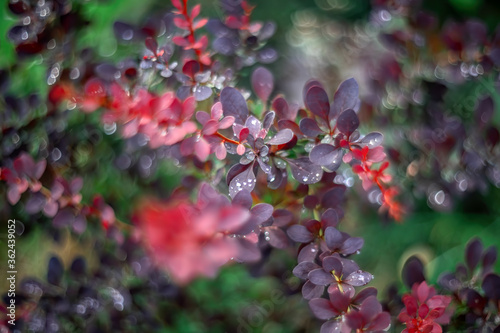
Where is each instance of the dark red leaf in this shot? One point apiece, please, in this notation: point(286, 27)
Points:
point(473, 253)
point(322, 308)
point(317, 102)
point(309, 127)
point(347, 122)
point(413, 272)
point(151, 44)
point(346, 97)
point(190, 68)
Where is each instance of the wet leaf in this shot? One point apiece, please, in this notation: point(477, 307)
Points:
point(304, 171)
point(325, 154)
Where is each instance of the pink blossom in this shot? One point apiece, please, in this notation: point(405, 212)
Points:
point(424, 310)
point(191, 240)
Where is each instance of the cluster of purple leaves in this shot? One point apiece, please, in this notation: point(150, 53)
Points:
point(324, 261)
point(243, 41)
point(60, 201)
point(453, 109)
point(475, 288)
point(71, 297)
point(43, 25)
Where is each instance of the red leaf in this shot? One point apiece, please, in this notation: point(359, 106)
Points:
point(195, 11)
point(200, 23)
point(181, 23)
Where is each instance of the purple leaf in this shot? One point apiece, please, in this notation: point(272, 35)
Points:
point(254, 125)
point(352, 245)
point(372, 140)
point(13, 194)
point(243, 181)
point(491, 286)
point(330, 218)
point(262, 83)
point(380, 322)
point(365, 293)
point(283, 124)
point(317, 102)
point(473, 253)
point(308, 253)
point(359, 278)
point(267, 55)
point(35, 204)
point(225, 45)
point(325, 154)
point(310, 128)
point(322, 308)
point(310, 290)
point(202, 93)
point(55, 271)
point(282, 137)
point(278, 178)
point(64, 217)
point(248, 252)
point(80, 224)
point(283, 111)
point(333, 238)
point(332, 326)
point(304, 171)
point(413, 272)
point(370, 307)
point(243, 198)
point(334, 197)
point(346, 97)
point(282, 217)
point(262, 212)
point(268, 120)
point(299, 233)
point(277, 238)
point(355, 320)
point(51, 208)
point(302, 269)
point(332, 264)
point(264, 166)
point(347, 122)
point(235, 170)
point(234, 104)
point(489, 258)
point(320, 277)
point(309, 84)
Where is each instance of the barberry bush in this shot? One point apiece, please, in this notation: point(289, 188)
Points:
point(240, 167)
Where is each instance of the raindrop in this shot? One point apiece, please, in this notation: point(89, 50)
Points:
point(110, 128)
point(56, 154)
point(128, 34)
point(439, 197)
point(74, 74)
point(309, 146)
